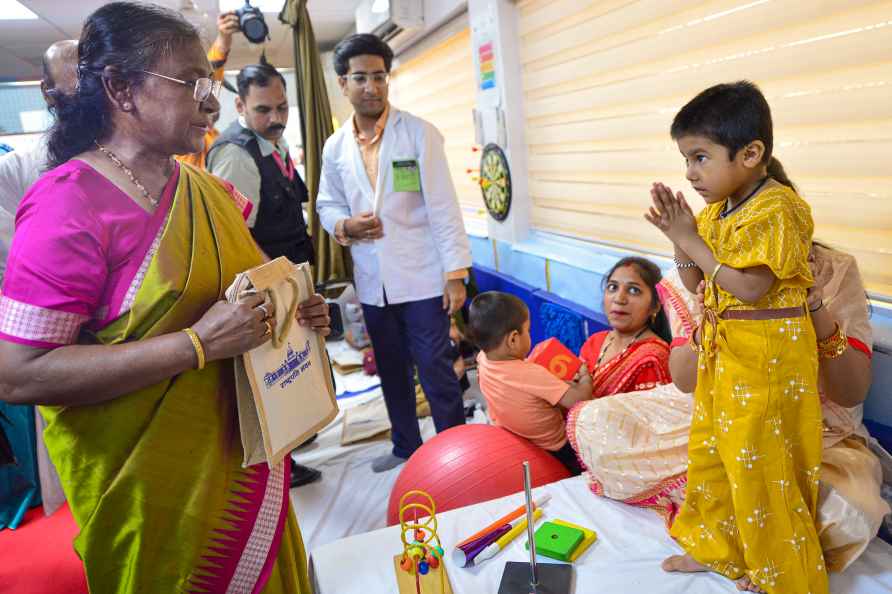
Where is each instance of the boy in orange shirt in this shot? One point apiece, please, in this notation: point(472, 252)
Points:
point(522, 396)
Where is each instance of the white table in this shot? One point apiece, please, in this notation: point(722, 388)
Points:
point(626, 558)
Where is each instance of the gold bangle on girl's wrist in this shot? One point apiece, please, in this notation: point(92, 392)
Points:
point(196, 344)
point(834, 345)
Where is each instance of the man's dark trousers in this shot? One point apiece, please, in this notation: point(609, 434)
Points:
point(405, 335)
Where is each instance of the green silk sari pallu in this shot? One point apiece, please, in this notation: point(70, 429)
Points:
point(154, 477)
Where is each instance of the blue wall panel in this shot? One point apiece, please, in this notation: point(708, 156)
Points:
point(576, 285)
point(491, 280)
point(481, 251)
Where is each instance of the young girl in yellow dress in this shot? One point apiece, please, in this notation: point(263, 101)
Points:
point(755, 442)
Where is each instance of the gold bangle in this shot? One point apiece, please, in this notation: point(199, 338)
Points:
point(715, 270)
point(196, 344)
point(834, 345)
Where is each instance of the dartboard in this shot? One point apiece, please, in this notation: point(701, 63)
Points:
point(495, 181)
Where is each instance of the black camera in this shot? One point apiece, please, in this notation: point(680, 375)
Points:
point(252, 24)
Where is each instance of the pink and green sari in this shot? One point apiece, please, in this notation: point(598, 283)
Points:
point(154, 478)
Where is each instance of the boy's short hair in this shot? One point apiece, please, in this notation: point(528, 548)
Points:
point(360, 44)
point(493, 315)
point(730, 114)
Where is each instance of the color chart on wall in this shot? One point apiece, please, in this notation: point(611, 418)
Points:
point(487, 63)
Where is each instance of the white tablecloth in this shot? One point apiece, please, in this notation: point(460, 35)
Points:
point(626, 558)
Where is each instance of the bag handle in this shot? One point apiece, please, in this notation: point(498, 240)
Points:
point(278, 337)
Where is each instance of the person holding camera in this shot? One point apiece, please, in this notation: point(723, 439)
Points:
point(387, 193)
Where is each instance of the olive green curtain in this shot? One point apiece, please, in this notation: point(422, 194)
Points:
point(332, 260)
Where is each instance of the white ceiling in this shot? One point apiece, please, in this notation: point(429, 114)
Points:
point(23, 42)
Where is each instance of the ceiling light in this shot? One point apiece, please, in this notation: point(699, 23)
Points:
point(380, 6)
point(16, 11)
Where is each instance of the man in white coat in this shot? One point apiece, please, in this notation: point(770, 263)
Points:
point(387, 193)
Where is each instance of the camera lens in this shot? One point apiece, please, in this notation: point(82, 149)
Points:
point(255, 29)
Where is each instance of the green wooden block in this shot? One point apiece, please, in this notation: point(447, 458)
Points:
point(556, 541)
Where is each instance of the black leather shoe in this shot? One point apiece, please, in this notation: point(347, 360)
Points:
point(303, 475)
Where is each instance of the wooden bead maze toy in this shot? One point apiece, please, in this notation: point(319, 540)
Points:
point(420, 568)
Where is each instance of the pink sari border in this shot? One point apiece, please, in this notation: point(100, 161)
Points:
point(280, 528)
point(665, 499)
point(136, 283)
point(240, 559)
point(669, 295)
point(572, 416)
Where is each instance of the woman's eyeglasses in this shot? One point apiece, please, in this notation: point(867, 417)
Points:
point(202, 87)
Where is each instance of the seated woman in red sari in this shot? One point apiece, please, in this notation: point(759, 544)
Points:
point(633, 354)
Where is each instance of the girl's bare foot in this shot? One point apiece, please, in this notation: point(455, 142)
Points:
point(745, 584)
point(683, 563)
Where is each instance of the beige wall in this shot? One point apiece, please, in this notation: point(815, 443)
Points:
point(437, 83)
point(602, 81)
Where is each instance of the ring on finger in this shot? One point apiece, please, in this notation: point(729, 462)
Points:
point(265, 311)
point(269, 328)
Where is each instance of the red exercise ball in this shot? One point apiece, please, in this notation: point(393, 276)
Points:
point(472, 463)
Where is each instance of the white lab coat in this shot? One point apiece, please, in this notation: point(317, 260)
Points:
point(424, 234)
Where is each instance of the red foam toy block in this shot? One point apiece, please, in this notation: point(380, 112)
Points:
point(556, 358)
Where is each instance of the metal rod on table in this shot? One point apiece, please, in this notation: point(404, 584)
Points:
point(528, 490)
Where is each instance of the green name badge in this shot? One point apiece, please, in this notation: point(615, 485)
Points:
point(406, 177)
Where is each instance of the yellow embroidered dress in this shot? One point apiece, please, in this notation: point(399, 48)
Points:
point(755, 443)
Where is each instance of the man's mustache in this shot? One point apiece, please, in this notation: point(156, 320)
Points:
point(276, 127)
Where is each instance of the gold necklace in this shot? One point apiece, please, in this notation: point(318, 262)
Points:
point(114, 159)
point(609, 341)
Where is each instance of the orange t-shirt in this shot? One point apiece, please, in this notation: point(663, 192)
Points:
point(522, 397)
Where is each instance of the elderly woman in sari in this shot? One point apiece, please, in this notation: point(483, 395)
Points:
point(112, 319)
point(634, 445)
